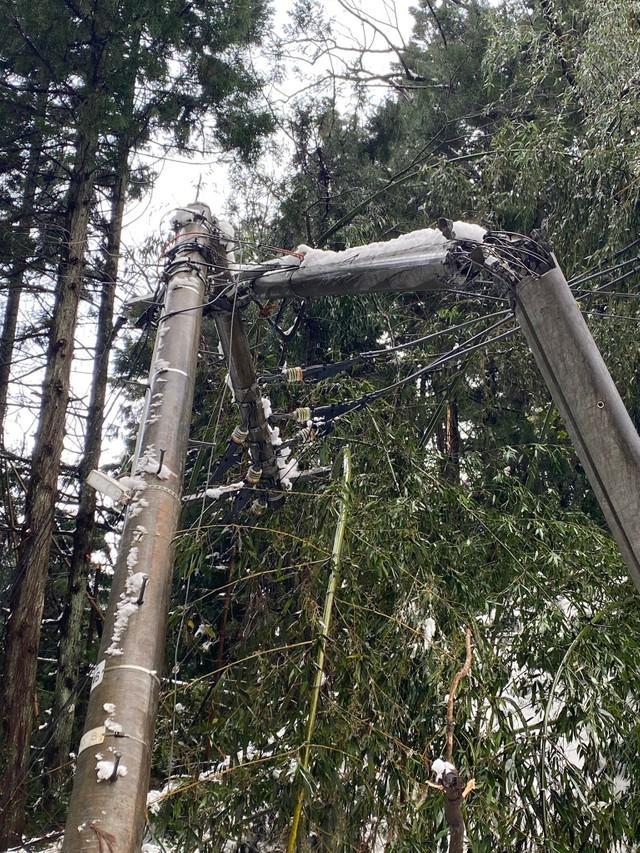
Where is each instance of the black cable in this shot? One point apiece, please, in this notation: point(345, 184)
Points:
point(431, 335)
point(335, 410)
point(317, 372)
point(574, 282)
point(457, 353)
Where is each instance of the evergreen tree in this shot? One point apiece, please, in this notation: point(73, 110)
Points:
point(110, 51)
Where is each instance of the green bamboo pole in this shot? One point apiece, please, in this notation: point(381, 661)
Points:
point(322, 645)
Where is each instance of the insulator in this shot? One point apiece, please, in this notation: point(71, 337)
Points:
point(302, 415)
point(239, 435)
point(253, 475)
point(307, 433)
point(258, 507)
point(293, 374)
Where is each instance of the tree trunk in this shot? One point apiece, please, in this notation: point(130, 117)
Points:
point(27, 594)
point(16, 276)
point(71, 647)
point(453, 799)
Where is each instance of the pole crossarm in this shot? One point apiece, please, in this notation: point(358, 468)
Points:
point(262, 481)
point(600, 427)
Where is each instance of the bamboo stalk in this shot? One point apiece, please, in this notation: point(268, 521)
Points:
point(322, 645)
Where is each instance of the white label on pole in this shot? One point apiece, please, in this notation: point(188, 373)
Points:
point(97, 675)
point(91, 738)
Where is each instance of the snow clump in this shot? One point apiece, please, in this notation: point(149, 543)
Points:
point(105, 769)
point(440, 767)
point(125, 609)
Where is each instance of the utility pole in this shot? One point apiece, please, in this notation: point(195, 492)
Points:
point(108, 802)
point(602, 432)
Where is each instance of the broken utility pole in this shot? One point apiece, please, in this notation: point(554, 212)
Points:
point(109, 795)
point(114, 756)
point(597, 421)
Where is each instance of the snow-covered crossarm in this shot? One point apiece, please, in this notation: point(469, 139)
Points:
point(420, 260)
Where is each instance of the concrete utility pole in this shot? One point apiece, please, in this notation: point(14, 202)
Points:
point(108, 803)
point(602, 432)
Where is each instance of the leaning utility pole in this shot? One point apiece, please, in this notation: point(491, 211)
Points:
point(107, 809)
point(597, 421)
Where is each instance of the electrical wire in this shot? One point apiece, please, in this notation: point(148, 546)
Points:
point(333, 411)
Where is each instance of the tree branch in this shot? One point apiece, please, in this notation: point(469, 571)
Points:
point(457, 678)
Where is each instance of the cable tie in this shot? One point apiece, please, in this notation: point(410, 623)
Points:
point(247, 396)
point(127, 736)
point(151, 672)
point(164, 489)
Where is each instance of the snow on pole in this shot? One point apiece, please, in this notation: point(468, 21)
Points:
point(114, 756)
